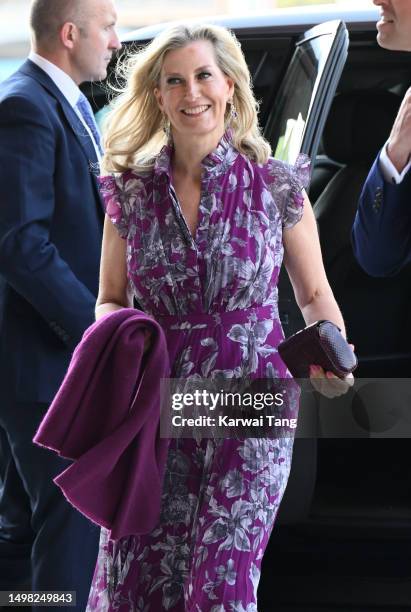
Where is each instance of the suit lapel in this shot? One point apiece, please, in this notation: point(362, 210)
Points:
point(85, 142)
point(30, 69)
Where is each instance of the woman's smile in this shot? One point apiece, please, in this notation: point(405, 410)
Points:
point(195, 111)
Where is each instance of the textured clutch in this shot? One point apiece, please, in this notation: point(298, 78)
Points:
point(318, 344)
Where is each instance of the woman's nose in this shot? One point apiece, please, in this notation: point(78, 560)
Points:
point(192, 88)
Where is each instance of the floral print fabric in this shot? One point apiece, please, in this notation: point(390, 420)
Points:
point(215, 295)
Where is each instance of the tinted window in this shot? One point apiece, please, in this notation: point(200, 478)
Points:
point(287, 123)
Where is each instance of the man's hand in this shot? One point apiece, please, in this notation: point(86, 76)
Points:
point(399, 143)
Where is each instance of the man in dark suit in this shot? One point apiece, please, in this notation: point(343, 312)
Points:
point(51, 221)
point(382, 227)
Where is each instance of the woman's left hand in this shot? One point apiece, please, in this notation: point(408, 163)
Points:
point(329, 384)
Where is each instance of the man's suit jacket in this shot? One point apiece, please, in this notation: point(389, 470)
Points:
point(51, 221)
point(382, 227)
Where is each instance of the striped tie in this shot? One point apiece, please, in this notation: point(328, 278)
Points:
point(87, 113)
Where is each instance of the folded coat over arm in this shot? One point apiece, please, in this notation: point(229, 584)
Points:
point(105, 417)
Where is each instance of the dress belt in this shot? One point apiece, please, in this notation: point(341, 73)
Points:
point(201, 320)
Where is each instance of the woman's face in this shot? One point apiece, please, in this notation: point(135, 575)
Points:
point(193, 91)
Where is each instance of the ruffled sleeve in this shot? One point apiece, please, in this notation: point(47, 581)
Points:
point(115, 192)
point(287, 185)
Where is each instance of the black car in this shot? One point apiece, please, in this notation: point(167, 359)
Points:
point(343, 538)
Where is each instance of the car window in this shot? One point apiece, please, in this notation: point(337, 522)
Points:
point(306, 90)
point(293, 101)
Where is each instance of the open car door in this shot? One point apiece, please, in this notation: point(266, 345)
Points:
point(298, 115)
point(295, 125)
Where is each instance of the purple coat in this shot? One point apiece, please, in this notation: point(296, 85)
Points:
point(105, 417)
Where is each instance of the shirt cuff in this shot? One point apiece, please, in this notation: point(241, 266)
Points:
point(389, 171)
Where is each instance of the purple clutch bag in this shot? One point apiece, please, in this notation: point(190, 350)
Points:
point(318, 344)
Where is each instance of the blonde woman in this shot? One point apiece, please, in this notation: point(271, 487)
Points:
point(198, 218)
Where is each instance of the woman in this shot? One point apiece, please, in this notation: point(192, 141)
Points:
point(198, 216)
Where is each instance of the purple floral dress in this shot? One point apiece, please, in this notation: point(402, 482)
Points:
point(216, 297)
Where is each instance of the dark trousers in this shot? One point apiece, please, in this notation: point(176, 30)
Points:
point(45, 544)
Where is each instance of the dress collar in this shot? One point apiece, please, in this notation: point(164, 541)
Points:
point(215, 163)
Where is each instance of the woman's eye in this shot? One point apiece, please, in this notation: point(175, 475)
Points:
point(204, 75)
point(173, 81)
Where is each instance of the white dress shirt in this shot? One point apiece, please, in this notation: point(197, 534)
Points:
point(67, 86)
point(389, 171)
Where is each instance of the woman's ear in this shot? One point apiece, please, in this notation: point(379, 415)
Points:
point(159, 98)
point(230, 84)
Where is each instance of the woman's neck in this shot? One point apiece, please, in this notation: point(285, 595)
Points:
point(189, 153)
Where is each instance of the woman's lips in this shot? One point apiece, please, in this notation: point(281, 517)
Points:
point(195, 110)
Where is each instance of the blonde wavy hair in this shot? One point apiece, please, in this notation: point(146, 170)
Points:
point(133, 127)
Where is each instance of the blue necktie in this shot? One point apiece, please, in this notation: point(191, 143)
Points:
point(87, 113)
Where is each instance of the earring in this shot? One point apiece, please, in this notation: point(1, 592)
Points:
point(166, 126)
point(233, 111)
